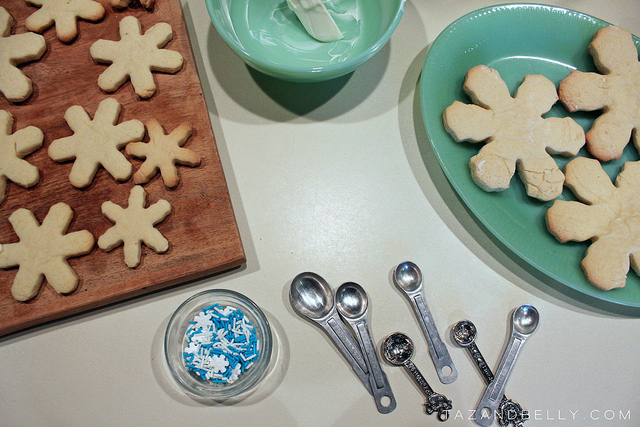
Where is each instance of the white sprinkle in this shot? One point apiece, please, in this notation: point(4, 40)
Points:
point(246, 359)
point(218, 363)
point(225, 312)
point(192, 348)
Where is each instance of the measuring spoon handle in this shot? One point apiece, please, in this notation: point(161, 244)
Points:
point(382, 394)
point(508, 412)
point(346, 343)
point(436, 402)
point(437, 349)
point(486, 409)
point(417, 375)
point(474, 351)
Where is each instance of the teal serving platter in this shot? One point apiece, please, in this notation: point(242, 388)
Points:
point(516, 40)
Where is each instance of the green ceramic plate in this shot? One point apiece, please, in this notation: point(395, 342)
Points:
point(516, 40)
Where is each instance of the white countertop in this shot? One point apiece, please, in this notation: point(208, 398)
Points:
point(334, 182)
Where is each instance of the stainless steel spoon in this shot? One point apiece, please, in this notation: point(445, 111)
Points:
point(397, 349)
point(352, 303)
point(408, 278)
point(509, 412)
point(524, 322)
point(311, 296)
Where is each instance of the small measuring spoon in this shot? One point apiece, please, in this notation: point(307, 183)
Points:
point(524, 322)
point(509, 412)
point(408, 278)
point(352, 303)
point(397, 349)
point(311, 296)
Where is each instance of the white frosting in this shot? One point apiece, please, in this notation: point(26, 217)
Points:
point(316, 19)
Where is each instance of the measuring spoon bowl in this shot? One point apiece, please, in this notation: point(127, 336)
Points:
point(408, 276)
point(464, 333)
point(351, 300)
point(311, 296)
point(397, 348)
point(525, 319)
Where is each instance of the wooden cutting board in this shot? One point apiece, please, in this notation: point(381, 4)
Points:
point(202, 229)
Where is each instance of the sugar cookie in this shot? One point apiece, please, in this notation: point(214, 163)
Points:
point(13, 147)
point(516, 135)
point(607, 214)
point(43, 250)
point(163, 152)
point(136, 56)
point(96, 142)
point(134, 225)
point(14, 50)
point(121, 4)
point(64, 13)
point(616, 92)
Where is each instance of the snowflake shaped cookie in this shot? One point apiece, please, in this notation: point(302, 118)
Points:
point(121, 4)
point(17, 49)
point(13, 147)
point(134, 225)
point(43, 250)
point(606, 214)
point(64, 13)
point(163, 152)
point(96, 142)
point(516, 134)
point(616, 92)
point(136, 56)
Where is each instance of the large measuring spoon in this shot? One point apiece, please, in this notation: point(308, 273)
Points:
point(352, 303)
point(311, 296)
point(397, 349)
point(524, 322)
point(408, 278)
point(509, 412)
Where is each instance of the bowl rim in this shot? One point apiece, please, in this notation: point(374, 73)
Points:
point(309, 73)
point(266, 347)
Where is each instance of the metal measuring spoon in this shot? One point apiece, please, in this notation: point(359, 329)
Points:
point(311, 296)
point(509, 412)
point(524, 322)
point(408, 278)
point(397, 349)
point(352, 303)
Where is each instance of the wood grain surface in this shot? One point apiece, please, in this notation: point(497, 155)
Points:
point(202, 230)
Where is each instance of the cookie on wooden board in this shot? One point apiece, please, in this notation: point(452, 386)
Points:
point(134, 225)
point(162, 153)
point(15, 50)
point(64, 14)
point(96, 142)
point(43, 250)
point(135, 56)
point(13, 147)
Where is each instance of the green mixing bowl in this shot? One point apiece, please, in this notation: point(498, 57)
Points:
point(270, 38)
